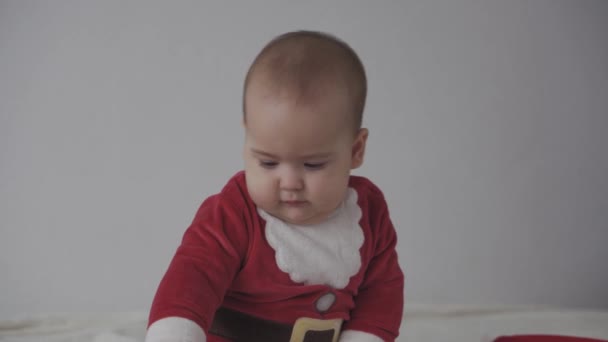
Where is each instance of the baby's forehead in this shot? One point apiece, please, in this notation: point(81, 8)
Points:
point(327, 107)
point(312, 91)
point(325, 102)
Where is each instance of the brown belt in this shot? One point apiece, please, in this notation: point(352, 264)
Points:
point(239, 327)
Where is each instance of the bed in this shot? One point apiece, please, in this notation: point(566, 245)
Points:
point(421, 323)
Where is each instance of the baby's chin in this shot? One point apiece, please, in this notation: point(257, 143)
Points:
point(298, 218)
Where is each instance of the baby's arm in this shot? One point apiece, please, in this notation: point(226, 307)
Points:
point(379, 303)
point(199, 275)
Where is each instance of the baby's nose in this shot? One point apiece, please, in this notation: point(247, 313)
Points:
point(291, 180)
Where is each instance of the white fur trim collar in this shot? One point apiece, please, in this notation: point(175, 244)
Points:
point(326, 253)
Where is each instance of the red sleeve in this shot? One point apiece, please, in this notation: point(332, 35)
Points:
point(379, 303)
point(204, 265)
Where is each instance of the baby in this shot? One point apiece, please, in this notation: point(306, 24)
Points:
point(293, 248)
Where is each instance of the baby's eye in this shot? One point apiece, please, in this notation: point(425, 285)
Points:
point(314, 166)
point(268, 164)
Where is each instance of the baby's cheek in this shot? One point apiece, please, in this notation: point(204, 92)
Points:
point(260, 190)
point(335, 190)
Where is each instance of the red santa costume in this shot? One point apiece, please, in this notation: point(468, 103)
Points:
point(238, 258)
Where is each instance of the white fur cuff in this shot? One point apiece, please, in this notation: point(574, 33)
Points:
point(175, 329)
point(358, 336)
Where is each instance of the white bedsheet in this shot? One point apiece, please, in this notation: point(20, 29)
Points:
point(421, 324)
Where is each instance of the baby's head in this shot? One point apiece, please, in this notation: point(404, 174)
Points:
point(303, 102)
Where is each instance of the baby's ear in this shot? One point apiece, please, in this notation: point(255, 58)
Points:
point(358, 152)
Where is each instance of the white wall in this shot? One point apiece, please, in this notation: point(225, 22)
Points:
point(488, 125)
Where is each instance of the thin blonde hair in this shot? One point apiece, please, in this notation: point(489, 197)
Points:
point(297, 62)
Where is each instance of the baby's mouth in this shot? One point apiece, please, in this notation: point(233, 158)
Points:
point(296, 203)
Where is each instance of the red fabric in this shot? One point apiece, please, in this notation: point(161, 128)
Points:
point(544, 338)
point(225, 260)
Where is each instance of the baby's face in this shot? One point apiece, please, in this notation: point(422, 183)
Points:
point(298, 157)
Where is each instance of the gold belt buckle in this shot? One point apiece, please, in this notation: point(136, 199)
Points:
point(304, 324)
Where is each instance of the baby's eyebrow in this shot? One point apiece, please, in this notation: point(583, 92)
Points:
point(265, 154)
point(308, 156)
point(317, 155)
